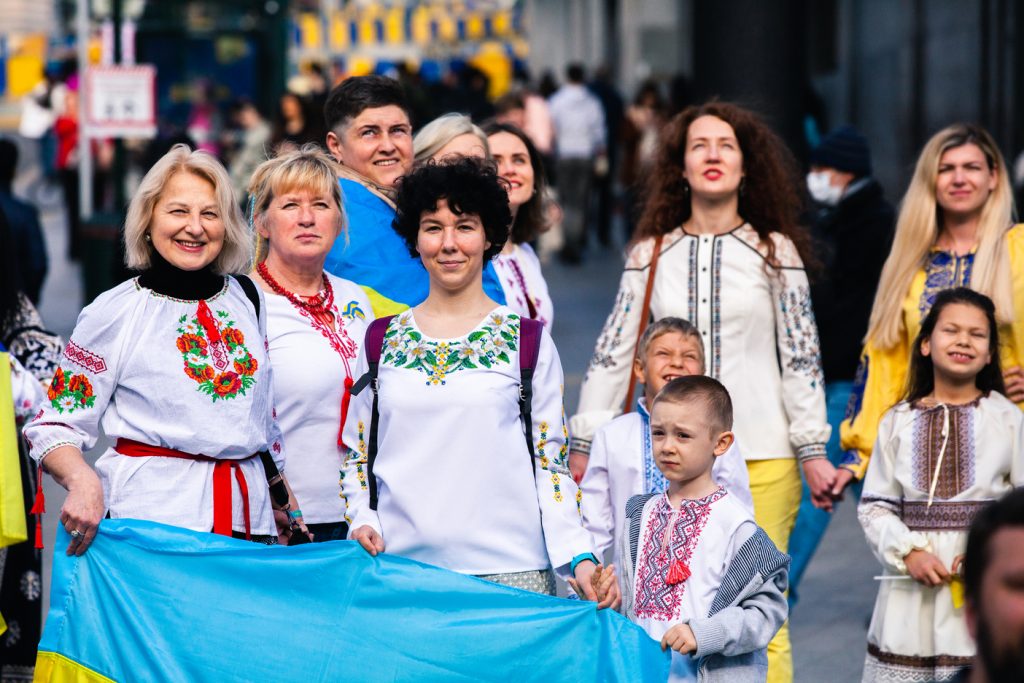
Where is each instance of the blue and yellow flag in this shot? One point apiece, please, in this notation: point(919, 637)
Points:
point(149, 602)
point(13, 527)
point(377, 259)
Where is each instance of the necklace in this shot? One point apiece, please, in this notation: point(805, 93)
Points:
point(321, 303)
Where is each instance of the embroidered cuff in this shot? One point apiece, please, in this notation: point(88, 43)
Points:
point(855, 463)
point(811, 451)
point(581, 446)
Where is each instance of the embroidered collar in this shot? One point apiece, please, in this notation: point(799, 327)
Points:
point(188, 285)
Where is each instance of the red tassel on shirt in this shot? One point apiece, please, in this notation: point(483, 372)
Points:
point(677, 573)
point(39, 507)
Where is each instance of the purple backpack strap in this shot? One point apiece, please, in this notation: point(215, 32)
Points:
point(530, 333)
point(374, 346)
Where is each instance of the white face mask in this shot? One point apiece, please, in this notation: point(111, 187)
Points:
point(819, 184)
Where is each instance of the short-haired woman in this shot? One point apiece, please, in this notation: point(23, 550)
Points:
point(520, 166)
point(955, 229)
point(173, 364)
point(459, 486)
point(315, 324)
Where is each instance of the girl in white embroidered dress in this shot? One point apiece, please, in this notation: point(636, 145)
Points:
point(174, 366)
point(521, 167)
point(954, 443)
point(457, 487)
point(315, 323)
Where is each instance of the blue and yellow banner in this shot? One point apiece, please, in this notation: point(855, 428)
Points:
point(149, 602)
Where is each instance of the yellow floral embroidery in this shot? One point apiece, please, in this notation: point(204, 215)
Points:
point(579, 502)
point(360, 472)
point(341, 494)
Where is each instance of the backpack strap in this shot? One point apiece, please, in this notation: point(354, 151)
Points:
point(249, 287)
point(530, 333)
point(374, 347)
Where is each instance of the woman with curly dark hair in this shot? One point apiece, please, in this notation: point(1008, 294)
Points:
point(437, 466)
point(719, 244)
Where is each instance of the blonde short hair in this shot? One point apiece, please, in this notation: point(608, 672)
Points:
point(235, 255)
point(442, 130)
point(308, 168)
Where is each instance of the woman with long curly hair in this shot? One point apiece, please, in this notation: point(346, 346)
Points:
point(723, 214)
point(955, 229)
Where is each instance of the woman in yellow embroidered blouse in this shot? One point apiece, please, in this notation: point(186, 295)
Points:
point(954, 229)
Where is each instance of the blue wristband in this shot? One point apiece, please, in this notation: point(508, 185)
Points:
point(582, 558)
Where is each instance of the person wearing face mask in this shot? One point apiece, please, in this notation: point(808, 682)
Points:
point(852, 230)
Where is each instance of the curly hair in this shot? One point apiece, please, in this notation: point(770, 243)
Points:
point(770, 197)
point(470, 185)
point(530, 220)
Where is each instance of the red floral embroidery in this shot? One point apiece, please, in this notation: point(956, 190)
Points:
point(223, 367)
point(658, 597)
point(68, 393)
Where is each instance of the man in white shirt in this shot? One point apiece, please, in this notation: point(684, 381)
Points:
point(580, 145)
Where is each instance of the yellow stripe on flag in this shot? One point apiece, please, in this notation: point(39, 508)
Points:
point(13, 528)
point(383, 306)
point(54, 668)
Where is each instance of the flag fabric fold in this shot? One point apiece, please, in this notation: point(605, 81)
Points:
point(158, 603)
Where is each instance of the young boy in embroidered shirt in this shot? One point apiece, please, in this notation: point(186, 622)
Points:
point(621, 464)
point(698, 574)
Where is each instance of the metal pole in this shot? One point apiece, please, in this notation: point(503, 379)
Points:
point(84, 149)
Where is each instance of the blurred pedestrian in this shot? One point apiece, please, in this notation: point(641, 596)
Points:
point(294, 125)
point(852, 229)
point(581, 146)
point(520, 166)
point(27, 241)
point(994, 608)
point(450, 135)
point(173, 364)
point(952, 443)
point(315, 325)
point(253, 145)
point(641, 135)
point(719, 243)
point(33, 354)
point(955, 228)
point(605, 174)
point(448, 390)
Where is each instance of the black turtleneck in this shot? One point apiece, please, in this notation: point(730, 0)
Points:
point(192, 285)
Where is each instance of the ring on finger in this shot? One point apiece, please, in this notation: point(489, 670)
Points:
point(76, 534)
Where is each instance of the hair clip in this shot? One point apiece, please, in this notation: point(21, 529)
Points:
point(252, 213)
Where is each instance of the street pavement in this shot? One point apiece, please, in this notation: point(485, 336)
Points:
point(828, 626)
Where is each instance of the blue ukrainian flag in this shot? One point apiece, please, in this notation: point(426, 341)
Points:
point(150, 602)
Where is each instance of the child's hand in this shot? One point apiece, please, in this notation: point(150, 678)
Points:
point(957, 567)
point(578, 465)
point(925, 568)
point(369, 539)
point(680, 638)
point(597, 583)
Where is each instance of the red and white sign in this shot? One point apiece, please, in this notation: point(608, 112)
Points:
point(121, 101)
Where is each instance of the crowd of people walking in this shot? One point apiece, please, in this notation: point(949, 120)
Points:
point(363, 352)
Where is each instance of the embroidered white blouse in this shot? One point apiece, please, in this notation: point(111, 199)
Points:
point(758, 329)
point(523, 280)
point(621, 466)
point(705, 535)
point(141, 365)
point(456, 485)
point(311, 363)
point(26, 392)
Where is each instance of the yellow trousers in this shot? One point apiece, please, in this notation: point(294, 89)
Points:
point(776, 488)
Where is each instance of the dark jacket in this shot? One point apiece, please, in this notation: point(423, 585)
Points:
point(27, 235)
point(852, 240)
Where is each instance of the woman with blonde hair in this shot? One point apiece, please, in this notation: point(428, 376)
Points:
point(173, 364)
point(315, 324)
point(450, 135)
point(955, 229)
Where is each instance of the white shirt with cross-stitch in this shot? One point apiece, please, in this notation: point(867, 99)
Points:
point(140, 365)
point(456, 485)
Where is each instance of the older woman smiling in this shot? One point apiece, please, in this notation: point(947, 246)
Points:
point(315, 324)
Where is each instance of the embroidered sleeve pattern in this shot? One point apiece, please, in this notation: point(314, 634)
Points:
point(222, 367)
point(70, 392)
point(353, 479)
point(487, 346)
point(611, 336)
point(801, 333)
